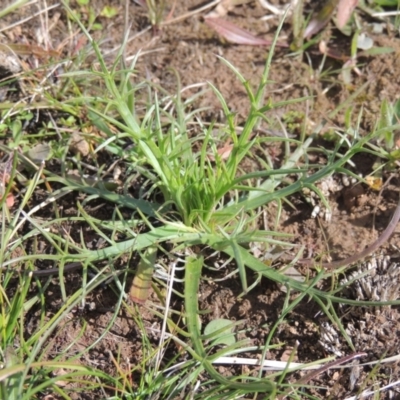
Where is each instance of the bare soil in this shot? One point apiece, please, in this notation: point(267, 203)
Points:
point(190, 48)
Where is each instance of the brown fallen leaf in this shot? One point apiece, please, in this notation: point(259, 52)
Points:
point(79, 144)
point(10, 200)
point(5, 175)
point(345, 9)
point(332, 53)
point(224, 152)
point(234, 34)
point(321, 19)
point(374, 182)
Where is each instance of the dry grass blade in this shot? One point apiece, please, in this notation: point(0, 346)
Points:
point(29, 49)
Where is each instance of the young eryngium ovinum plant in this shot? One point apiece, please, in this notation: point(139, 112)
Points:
point(199, 189)
point(194, 196)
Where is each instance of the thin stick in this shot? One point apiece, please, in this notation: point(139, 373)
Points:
point(326, 367)
point(53, 271)
point(370, 249)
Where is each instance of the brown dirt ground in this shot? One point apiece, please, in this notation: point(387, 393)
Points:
point(191, 48)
